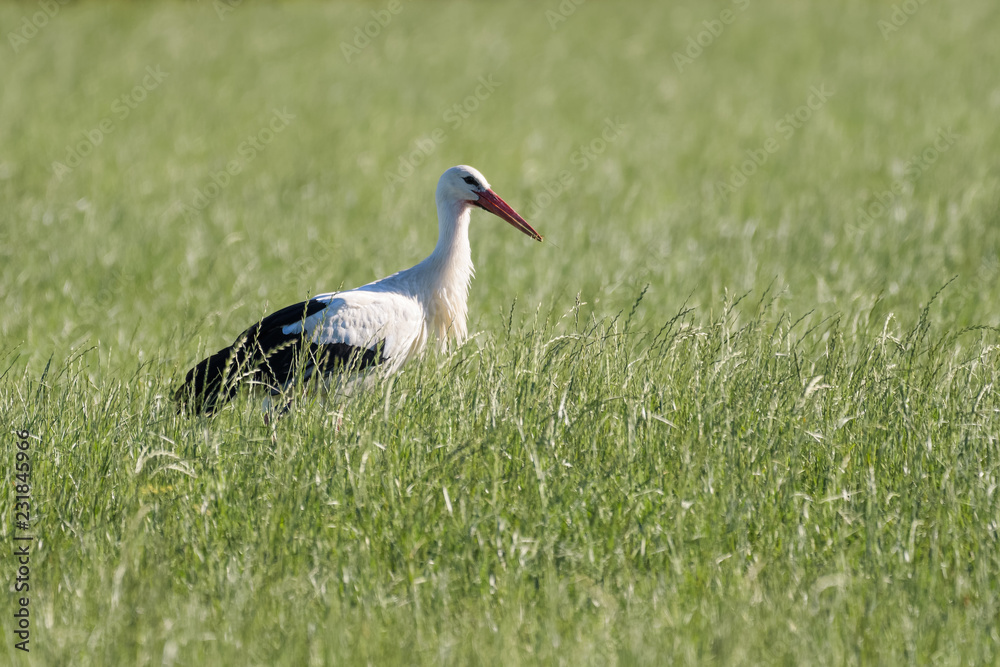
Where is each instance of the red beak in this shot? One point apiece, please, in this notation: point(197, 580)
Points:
point(490, 201)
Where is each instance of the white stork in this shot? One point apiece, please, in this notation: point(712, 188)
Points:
point(380, 326)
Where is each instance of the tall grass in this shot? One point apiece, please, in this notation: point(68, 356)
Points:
point(748, 489)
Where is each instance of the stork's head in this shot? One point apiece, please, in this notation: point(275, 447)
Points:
point(465, 184)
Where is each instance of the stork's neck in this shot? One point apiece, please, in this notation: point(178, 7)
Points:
point(447, 272)
point(452, 252)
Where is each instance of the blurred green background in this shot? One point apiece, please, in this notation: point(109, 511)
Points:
point(100, 254)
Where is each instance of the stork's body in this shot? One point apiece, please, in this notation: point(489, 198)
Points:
point(379, 326)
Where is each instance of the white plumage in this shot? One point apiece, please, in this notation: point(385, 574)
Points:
point(380, 326)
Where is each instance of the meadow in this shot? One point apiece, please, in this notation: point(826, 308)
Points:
point(740, 407)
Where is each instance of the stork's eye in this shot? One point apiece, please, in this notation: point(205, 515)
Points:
point(471, 181)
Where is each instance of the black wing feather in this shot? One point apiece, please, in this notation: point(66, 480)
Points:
point(265, 354)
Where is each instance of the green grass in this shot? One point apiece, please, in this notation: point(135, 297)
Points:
point(690, 429)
